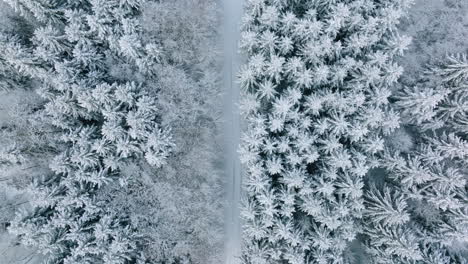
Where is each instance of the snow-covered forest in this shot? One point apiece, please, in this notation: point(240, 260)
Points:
point(237, 132)
point(110, 124)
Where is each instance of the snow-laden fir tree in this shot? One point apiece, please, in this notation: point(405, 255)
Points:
point(104, 123)
point(315, 86)
point(422, 217)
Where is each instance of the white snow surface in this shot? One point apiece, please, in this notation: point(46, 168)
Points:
point(232, 59)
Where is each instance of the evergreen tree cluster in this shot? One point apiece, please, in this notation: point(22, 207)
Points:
point(422, 215)
point(102, 122)
point(317, 84)
point(344, 160)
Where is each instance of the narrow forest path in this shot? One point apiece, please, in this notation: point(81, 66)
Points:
point(232, 18)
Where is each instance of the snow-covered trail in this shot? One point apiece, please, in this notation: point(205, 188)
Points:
point(232, 18)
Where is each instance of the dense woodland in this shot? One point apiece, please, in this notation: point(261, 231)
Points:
point(349, 158)
point(354, 144)
point(105, 98)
